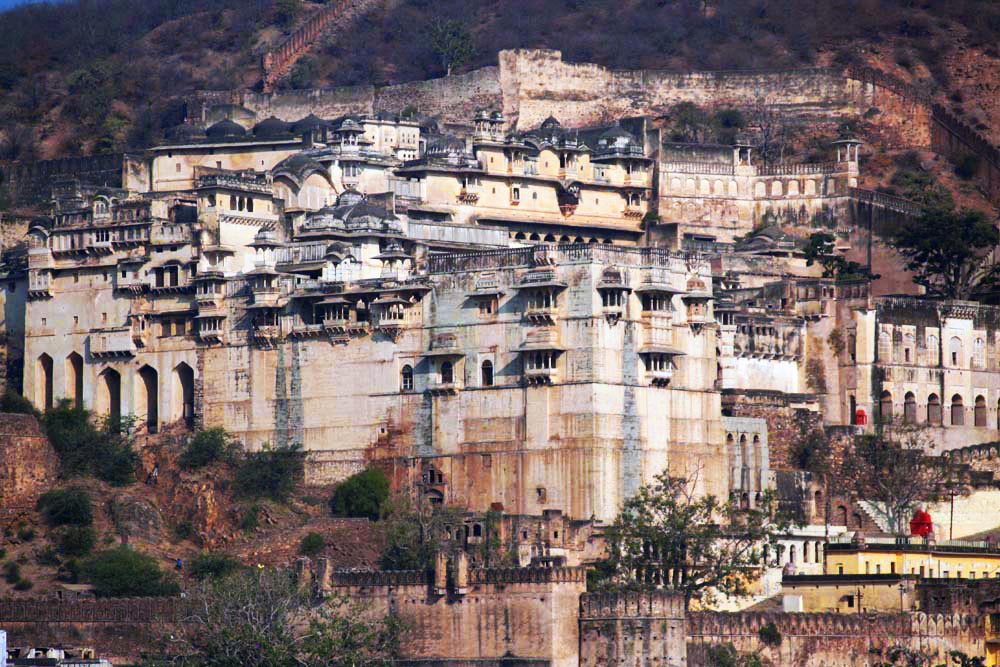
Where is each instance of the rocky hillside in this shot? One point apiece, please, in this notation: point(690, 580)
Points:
point(95, 75)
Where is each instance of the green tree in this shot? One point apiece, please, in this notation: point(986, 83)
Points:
point(62, 507)
point(726, 655)
point(263, 618)
point(210, 565)
point(103, 447)
point(311, 544)
point(821, 249)
point(689, 123)
point(451, 43)
point(950, 252)
point(695, 544)
point(124, 572)
point(271, 472)
point(206, 447)
point(361, 495)
point(286, 11)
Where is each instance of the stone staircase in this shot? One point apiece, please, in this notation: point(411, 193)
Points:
point(277, 62)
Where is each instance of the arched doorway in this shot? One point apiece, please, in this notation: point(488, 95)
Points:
point(109, 395)
point(183, 394)
point(74, 379)
point(43, 382)
point(147, 399)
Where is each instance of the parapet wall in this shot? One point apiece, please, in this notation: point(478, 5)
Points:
point(833, 640)
point(633, 629)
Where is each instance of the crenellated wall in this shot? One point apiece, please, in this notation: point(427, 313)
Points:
point(632, 629)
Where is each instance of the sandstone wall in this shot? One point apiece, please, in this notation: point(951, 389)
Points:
point(833, 640)
point(28, 465)
point(632, 630)
point(30, 182)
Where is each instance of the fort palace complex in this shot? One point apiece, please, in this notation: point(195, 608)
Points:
point(510, 314)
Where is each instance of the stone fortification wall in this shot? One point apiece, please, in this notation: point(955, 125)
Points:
point(481, 615)
point(632, 629)
point(833, 640)
point(118, 628)
point(30, 182)
point(28, 466)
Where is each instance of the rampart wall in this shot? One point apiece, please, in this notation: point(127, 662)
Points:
point(28, 466)
point(832, 640)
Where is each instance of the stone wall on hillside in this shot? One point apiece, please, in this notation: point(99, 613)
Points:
point(28, 465)
point(30, 183)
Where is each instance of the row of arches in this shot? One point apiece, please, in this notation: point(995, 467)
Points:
point(107, 397)
point(446, 375)
point(721, 188)
point(564, 239)
point(932, 413)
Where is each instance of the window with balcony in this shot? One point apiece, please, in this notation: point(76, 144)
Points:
point(542, 360)
point(406, 378)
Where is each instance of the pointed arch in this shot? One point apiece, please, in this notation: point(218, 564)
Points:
point(148, 398)
point(74, 379)
point(109, 395)
point(182, 403)
point(43, 382)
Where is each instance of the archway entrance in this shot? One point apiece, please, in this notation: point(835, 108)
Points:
point(43, 382)
point(147, 401)
point(74, 379)
point(109, 395)
point(182, 405)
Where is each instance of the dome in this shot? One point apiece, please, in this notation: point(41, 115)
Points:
point(446, 145)
point(184, 132)
point(616, 133)
point(270, 127)
point(350, 125)
point(349, 197)
point(226, 129)
point(308, 124)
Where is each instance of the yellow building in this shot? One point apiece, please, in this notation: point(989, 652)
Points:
point(957, 559)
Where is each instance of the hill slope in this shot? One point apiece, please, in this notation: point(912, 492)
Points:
point(94, 75)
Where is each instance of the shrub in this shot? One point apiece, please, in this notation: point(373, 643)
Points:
point(207, 447)
point(47, 557)
point(77, 540)
point(312, 544)
point(183, 530)
point(66, 507)
point(103, 449)
point(361, 495)
point(11, 401)
point(251, 518)
point(770, 635)
point(123, 572)
point(11, 572)
point(270, 473)
point(206, 565)
point(25, 533)
point(23, 585)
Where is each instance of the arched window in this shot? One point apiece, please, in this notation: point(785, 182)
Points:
point(980, 413)
point(791, 554)
point(406, 378)
point(447, 373)
point(885, 407)
point(933, 350)
point(910, 408)
point(856, 519)
point(957, 411)
point(852, 347)
point(884, 347)
point(487, 373)
point(908, 348)
point(934, 409)
point(842, 514)
point(955, 351)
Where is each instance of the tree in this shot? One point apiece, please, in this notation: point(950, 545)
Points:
point(666, 535)
point(361, 495)
point(891, 470)
point(949, 252)
point(62, 507)
point(263, 618)
point(771, 129)
point(451, 43)
point(726, 655)
point(690, 123)
point(286, 11)
point(206, 447)
point(413, 532)
point(821, 249)
point(271, 472)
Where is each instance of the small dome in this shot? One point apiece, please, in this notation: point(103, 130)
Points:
point(482, 114)
point(349, 197)
point(350, 125)
point(696, 285)
point(616, 133)
point(226, 129)
point(308, 124)
point(496, 115)
point(446, 145)
point(270, 127)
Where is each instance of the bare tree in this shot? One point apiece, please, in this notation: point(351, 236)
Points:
point(892, 471)
point(772, 131)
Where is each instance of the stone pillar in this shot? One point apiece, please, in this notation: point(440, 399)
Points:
point(440, 573)
point(462, 573)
